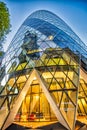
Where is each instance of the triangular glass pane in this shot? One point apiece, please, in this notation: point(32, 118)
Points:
point(11, 82)
point(56, 95)
point(21, 79)
point(3, 92)
point(71, 81)
point(66, 57)
point(56, 60)
point(20, 85)
point(45, 61)
point(30, 64)
point(35, 106)
point(19, 67)
point(51, 62)
point(55, 85)
point(3, 113)
point(62, 62)
point(2, 99)
point(37, 63)
point(43, 56)
point(67, 109)
point(23, 65)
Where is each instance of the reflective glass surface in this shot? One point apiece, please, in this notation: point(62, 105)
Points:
point(46, 44)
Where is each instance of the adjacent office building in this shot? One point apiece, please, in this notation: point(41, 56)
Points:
point(43, 76)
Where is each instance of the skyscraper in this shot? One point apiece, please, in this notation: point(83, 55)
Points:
point(44, 75)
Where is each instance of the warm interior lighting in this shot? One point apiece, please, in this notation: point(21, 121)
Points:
point(83, 101)
point(50, 37)
point(37, 96)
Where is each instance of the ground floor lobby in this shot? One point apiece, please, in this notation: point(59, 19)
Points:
point(44, 126)
point(81, 123)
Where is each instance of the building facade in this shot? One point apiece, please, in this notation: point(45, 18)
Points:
point(44, 73)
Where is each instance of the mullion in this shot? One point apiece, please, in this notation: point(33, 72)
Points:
point(8, 93)
point(67, 71)
point(83, 106)
point(68, 78)
point(63, 71)
point(79, 110)
point(14, 84)
point(54, 73)
point(81, 85)
point(61, 87)
point(62, 90)
point(3, 102)
point(69, 65)
point(61, 99)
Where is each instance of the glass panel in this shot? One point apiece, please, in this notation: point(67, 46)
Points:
point(35, 106)
point(59, 72)
point(66, 109)
point(19, 68)
point(3, 113)
point(11, 81)
point(2, 99)
point(81, 106)
point(21, 79)
point(83, 101)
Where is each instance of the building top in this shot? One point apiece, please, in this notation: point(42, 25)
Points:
point(56, 21)
point(54, 28)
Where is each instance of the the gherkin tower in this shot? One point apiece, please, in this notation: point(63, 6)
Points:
point(44, 73)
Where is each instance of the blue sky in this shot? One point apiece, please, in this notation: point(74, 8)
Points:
point(73, 12)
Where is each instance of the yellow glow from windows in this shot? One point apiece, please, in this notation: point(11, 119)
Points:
point(34, 78)
point(50, 37)
point(21, 79)
point(57, 75)
point(83, 101)
point(37, 96)
point(11, 81)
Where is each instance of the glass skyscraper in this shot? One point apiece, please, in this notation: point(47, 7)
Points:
point(43, 75)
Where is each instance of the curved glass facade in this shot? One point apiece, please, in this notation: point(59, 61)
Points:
point(40, 73)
